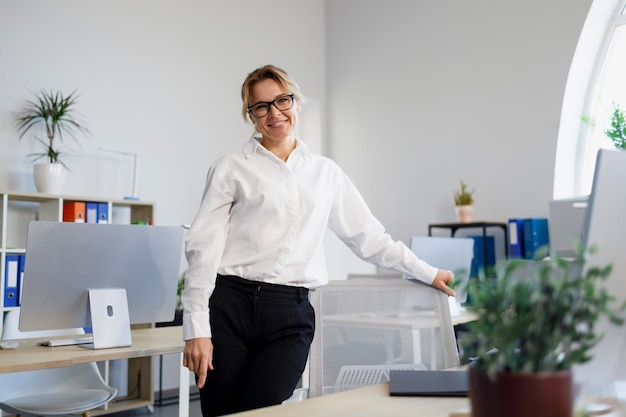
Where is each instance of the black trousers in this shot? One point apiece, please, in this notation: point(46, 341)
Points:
point(261, 336)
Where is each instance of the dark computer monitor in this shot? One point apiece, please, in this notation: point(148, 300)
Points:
point(64, 260)
point(605, 226)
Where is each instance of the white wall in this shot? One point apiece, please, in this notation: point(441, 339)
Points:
point(156, 77)
point(422, 94)
point(417, 95)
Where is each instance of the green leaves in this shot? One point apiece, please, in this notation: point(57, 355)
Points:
point(56, 112)
point(617, 131)
point(463, 197)
point(537, 315)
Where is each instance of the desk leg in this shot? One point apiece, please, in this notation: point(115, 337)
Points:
point(183, 390)
point(417, 346)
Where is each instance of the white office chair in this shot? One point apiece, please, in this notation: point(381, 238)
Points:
point(354, 376)
point(365, 327)
point(51, 392)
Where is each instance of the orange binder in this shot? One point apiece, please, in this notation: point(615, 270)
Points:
point(74, 211)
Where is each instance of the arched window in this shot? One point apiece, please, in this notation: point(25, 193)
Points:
point(596, 82)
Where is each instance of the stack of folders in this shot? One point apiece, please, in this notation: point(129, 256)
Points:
point(85, 212)
point(526, 236)
point(13, 273)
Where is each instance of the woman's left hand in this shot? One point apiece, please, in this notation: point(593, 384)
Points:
point(442, 281)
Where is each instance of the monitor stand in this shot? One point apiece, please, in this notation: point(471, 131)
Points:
point(110, 321)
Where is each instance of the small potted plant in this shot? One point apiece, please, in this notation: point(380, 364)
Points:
point(535, 322)
point(464, 203)
point(54, 112)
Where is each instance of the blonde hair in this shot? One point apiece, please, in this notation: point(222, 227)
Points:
point(267, 72)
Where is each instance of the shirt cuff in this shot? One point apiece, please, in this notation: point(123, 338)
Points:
point(196, 325)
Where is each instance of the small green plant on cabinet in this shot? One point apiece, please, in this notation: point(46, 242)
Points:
point(56, 112)
point(463, 197)
point(617, 131)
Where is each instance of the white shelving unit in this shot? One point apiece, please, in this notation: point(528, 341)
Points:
point(17, 209)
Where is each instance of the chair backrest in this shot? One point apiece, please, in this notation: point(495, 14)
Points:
point(378, 323)
point(353, 376)
point(83, 376)
point(63, 383)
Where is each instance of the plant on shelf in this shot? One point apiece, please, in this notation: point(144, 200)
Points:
point(56, 112)
point(617, 131)
point(463, 202)
point(463, 197)
point(537, 319)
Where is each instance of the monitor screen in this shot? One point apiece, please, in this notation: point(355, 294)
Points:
point(605, 226)
point(64, 260)
point(451, 253)
point(565, 223)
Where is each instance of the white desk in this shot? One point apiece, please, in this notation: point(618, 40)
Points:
point(145, 344)
point(372, 401)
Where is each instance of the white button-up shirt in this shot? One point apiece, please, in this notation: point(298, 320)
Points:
point(263, 219)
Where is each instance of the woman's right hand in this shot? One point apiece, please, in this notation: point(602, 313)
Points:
point(198, 357)
point(442, 281)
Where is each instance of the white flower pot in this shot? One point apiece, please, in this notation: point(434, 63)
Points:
point(49, 178)
point(464, 214)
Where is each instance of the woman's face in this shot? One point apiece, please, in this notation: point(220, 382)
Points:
point(276, 125)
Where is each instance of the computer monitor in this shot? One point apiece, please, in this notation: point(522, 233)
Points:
point(565, 223)
point(605, 226)
point(452, 253)
point(64, 260)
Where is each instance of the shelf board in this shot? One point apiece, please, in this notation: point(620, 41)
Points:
point(38, 197)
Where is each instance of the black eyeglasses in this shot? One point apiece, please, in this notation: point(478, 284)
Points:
point(262, 108)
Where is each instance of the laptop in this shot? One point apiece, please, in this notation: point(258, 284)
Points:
point(428, 383)
point(451, 253)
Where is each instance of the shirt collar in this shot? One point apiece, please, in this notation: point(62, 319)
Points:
point(254, 144)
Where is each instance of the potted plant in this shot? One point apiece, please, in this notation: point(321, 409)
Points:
point(535, 322)
point(55, 113)
point(463, 202)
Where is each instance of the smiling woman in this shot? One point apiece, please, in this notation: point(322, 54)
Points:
point(255, 249)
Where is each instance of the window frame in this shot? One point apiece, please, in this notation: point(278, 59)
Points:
point(574, 156)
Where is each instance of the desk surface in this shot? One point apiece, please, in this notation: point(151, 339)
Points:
point(362, 402)
point(145, 342)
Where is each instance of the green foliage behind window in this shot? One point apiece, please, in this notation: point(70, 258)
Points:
point(617, 131)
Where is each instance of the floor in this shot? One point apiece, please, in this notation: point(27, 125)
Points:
point(170, 410)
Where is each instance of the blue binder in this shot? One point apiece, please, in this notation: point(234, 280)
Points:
point(20, 278)
point(103, 212)
point(91, 215)
point(516, 238)
point(11, 280)
point(535, 236)
point(478, 262)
